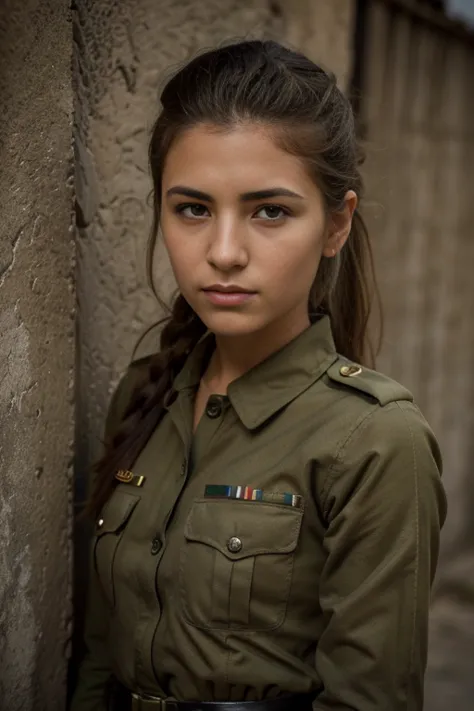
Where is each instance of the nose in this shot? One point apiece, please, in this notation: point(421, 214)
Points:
point(227, 248)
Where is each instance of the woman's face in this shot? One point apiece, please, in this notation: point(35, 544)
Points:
point(245, 229)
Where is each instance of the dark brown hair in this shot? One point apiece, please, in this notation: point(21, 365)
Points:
point(263, 82)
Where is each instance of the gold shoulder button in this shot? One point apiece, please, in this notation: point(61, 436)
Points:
point(364, 381)
point(350, 371)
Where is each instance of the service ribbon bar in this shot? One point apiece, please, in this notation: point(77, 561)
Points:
point(248, 493)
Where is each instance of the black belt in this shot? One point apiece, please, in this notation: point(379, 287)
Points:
point(295, 702)
point(137, 702)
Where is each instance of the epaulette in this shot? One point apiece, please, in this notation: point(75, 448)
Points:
point(369, 382)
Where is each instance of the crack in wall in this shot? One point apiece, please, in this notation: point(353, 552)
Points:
point(7, 268)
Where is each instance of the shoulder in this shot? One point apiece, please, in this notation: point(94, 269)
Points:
point(391, 462)
point(379, 426)
point(389, 448)
point(384, 416)
point(349, 377)
point(133, 378)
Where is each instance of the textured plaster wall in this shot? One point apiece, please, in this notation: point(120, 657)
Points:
point(36, 352)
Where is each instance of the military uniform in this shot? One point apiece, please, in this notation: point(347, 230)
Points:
point(288, 546)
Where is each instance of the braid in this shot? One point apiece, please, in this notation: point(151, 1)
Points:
point(146, 404)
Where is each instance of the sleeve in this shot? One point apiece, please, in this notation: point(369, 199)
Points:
point(384, 506)
point(95, 671)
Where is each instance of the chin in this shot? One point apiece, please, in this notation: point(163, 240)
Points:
point(232, 324)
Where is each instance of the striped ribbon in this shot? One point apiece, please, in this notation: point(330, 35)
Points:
point(248, 493)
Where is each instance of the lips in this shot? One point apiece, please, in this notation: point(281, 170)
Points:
point(228, 289)
point(228, 294)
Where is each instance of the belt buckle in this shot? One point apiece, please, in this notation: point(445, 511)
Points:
point(143, 703)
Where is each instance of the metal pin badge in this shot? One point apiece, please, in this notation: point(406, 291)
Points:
point(127, 477)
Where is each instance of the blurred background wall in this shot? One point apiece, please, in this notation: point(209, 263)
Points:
point(408, 69)
point(414, 76)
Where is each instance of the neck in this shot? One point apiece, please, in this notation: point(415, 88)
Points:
point(235, 355)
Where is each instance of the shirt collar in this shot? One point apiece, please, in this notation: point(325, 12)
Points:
point(266, 388)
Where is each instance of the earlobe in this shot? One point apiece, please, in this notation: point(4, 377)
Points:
point(337, 240)
point(341, 223)
point(330, 252)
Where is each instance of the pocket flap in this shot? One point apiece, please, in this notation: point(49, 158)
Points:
point(116, 512)
point(239, 529)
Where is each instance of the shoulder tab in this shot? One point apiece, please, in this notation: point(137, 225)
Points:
point(367, 381)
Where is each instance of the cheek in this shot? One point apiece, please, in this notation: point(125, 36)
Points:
point(180, 250)
point(183, 266)
point(294, 265)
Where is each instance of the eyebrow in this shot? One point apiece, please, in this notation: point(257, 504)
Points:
point(244, 197)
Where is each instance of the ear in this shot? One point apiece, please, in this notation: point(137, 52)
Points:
point(339, 226)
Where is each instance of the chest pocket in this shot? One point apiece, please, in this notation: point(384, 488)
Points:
point(237, 563)
point(109, 530)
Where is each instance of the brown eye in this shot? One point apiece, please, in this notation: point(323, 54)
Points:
point(192, 210)
point(271, 213)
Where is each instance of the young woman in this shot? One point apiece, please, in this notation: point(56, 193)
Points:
point(267, 508)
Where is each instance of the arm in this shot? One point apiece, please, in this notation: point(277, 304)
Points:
point(384, 506)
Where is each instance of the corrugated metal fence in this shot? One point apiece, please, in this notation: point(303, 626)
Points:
point(417, 114)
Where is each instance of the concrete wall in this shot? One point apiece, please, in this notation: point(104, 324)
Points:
point(418, 107)
point(36, 353)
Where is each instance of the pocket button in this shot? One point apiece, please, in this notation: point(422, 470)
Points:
point(155, 546)
point(234, 544)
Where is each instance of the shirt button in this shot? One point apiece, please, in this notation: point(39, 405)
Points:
point(234, 544)
point(214, 407)
point(155, 545)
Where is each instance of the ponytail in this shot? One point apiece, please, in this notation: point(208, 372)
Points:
point(345, 288)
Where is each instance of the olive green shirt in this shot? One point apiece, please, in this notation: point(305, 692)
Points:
point(199, 596)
